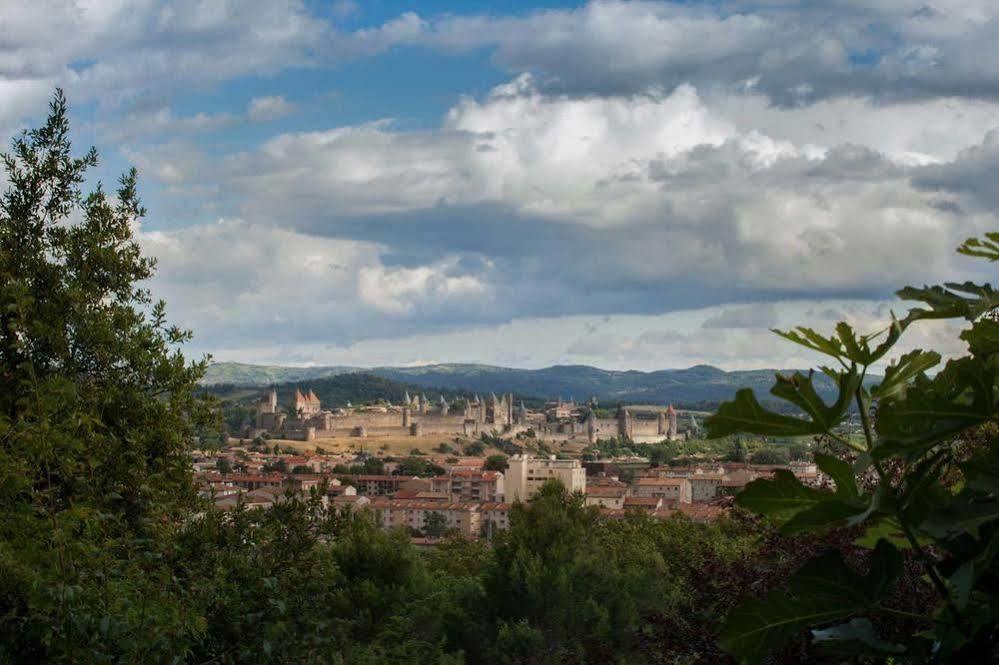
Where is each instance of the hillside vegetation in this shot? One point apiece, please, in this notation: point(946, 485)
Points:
point(701, 385)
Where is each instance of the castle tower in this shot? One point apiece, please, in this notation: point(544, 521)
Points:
point(444, 406)
point(405, 399)
point(671, 417)
point(624, 428)
point(591, 428)
point(266, 406)
point(406, 415)
point(661, 425)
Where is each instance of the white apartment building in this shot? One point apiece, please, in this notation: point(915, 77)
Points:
point(526, 475)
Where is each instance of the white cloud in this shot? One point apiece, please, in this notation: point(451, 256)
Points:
point(263, 109)
point(646, 157)
point(401, 290)
point(657, 187)
point(271, 283)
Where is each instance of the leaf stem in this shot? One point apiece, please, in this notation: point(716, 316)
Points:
point(910, 615)
point(928, 564)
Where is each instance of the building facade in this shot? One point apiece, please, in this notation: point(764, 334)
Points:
point(526, 474)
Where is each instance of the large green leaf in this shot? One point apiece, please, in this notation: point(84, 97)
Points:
point(745, 414)
point(960, 396)
point(823, 591)
point(842, 474)
point(781, 498)
point(799, 390)
point(899, 374)
point(982, 337)
point(962, 516)
point(985, 249)
point(855, 637)
point(950, 301)
point(824, 515)
point(796, 507)
point(846, 345)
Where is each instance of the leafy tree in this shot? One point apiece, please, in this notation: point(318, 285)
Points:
point(496, 463)
point(799, 453)
point(223, 465)
point(97, 412)
point(929, 490)
point(769, 456)
point(737, 453)
point(435, 525)
point(279, 465)
point(418, 466)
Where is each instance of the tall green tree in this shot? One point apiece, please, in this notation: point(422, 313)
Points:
point(97, 410)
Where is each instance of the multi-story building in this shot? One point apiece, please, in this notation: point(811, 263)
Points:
point(606, 496)
point(526, 475)
point(495, 517)
point(462, 517)
point(705, 486)
point(376, 485)
point(668, 489)
point(470, 485)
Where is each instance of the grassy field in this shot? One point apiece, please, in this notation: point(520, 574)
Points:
point(380, 445)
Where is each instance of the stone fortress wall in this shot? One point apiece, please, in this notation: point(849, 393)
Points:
point(559, 422)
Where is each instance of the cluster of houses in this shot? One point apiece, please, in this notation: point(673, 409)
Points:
point(470, 500)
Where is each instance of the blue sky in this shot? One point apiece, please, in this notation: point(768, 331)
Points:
point(624, 184)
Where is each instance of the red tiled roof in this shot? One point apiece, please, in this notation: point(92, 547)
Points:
point(605, 492)
point(659, 481)
point(641, 501)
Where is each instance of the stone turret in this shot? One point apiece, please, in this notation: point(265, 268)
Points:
point(624, 427)
point(406, 415)
point(444, 406)
point(671, 417)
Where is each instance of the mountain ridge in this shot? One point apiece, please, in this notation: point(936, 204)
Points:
point(698, 384)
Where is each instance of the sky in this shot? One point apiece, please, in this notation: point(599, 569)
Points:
point(631, 185)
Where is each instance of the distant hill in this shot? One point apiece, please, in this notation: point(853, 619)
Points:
point(240, 374)
point(358, 388)
point(699, 385)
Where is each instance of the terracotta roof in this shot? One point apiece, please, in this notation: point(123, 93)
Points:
point(659, 481)
point(641, 501)
point(480, 475)
point(606, 492)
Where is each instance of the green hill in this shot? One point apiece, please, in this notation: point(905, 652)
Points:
point(701, 385)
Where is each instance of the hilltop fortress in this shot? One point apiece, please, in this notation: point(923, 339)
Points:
point(559, 422)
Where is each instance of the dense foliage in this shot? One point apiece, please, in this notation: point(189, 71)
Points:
point(928, 464)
